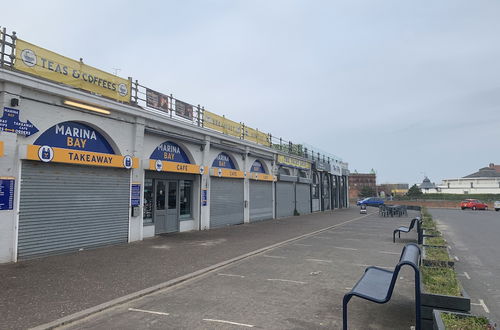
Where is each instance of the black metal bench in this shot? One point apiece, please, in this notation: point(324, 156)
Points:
point(404, 229)
point(377, 283)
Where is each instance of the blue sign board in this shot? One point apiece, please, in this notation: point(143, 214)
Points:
point(135, 195)
point(73, 135)
point(223, 161)
point(7, 194)
point(257, 167)
point(170, 152)
point(10, 122)
point(204, 197)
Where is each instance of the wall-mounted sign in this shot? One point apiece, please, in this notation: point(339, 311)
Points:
point(170, 152)
point(75, 143)
point(223, 161)
point(335, 169)
point(221, 124)
point(76, 136)
point(10, 122)
point(256, 136)
point(49, 65)
point(227, 173)
point(262, 177)
point(135, 194)
point(257, 167)
point(204, 198)
point(156, 100)
point(7, 193)
point(183, 109)
point(293, 162)
point(170, 157)
point(2, 148)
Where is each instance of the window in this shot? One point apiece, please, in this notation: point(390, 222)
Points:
point(185, 195)
point(160, 195)
point(472, 184)
point(172, 195)
point(147, 207)
point(448, 185)
point(315, 186)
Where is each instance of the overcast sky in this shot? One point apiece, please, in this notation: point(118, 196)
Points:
point(403, 87)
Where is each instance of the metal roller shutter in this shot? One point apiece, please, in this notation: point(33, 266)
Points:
point(303, 198)
point(261, 200)
point(285, 199)
point(226, 202)
point(65, 208)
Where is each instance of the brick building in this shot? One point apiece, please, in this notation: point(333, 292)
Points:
point(359, 180)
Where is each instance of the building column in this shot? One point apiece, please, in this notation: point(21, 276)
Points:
point(136, 227)
point(205, 187)
point(246, 188)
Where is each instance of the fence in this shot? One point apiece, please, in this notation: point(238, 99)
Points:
point(173, 108)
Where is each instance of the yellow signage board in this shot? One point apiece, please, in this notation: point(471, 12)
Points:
point(227, 173)
point(221, 124)
point(2, 149)
point(49, 65)
point(164, 166)
point(262, 177)
point(69, 156)
point(256, 136)
point(293, 162)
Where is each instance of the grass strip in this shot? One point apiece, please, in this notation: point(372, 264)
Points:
point(460, 322)
point(437, 253)
point(435, 241)
point(440, 280)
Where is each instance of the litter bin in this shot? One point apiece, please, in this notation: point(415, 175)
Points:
point(362, 209)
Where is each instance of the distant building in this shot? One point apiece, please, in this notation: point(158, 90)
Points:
point(428, 187)
point(359, 180)
point(484, 181)
point(393, 189)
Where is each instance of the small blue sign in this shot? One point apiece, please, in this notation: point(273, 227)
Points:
point(170, 152)
point(257, 167)
point(223, 161)
point(10, 122)
point(7, 194)
point(204, 197)
point(135, 195)
point(73, 135)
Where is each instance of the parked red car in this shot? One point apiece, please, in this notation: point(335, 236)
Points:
point(473, 204)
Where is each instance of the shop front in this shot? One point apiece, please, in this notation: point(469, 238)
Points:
point(261, 192)
point(169, 188)
point(226, 192)
point(74, 193)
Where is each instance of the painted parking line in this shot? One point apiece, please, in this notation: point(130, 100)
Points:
point(467, 275)
point(322, 237)
point(230, 322)
point(148, 312)
point(319, 260)
point(482, 304)
point(283, 280)
point(231, 275)
point(456, 258)
point(344, 248)
point(387, 252)
point(275, 257)
point(300, 244)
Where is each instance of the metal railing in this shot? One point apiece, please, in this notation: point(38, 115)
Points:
point(175, 109)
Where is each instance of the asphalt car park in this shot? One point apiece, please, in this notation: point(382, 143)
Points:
point(298, 285)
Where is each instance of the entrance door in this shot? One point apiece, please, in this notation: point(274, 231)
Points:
point(166, 207)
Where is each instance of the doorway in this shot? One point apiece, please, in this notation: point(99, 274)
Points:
point(166, 211)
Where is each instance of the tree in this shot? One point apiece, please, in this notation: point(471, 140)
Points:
point(366, 191)
point(414, 191)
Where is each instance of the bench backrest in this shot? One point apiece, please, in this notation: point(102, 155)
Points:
point(412, 223)
point(409, 256)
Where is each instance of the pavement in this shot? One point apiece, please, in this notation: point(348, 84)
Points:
point(289, 273)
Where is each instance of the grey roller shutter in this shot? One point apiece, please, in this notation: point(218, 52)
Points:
point(303, 198)
point(226, 202)
point(261, 200)
point(65, 208)
point(285, 199)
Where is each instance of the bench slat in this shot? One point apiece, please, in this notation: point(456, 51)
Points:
point(374, 285)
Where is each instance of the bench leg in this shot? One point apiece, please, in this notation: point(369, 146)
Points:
point(394, 236)
point(345, 301)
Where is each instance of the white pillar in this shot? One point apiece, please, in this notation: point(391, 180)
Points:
point(205, 187)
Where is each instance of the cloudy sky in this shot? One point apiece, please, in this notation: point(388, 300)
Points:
point(404, 87)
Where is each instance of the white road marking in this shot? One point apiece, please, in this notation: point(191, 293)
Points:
point(322, 237)
point(302, 244)
point(282, 280)
point(318, 260)
point(344, 248)
point(363, 265)
point(456, 258)
point(229, 322)
point(387, 252)
point(467, 275)
point(481, 302)
point(276, 257)
point(231, 275)
point(149, 312)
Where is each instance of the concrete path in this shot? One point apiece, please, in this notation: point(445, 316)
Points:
point(297, 284)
